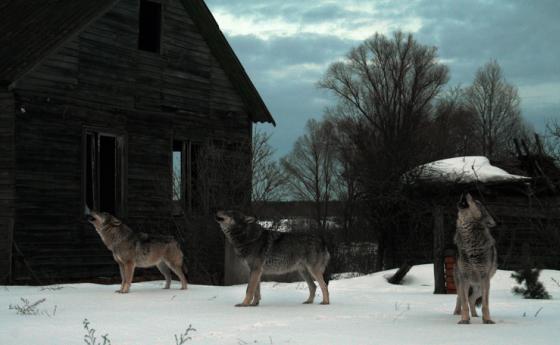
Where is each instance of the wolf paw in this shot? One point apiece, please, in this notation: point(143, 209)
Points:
point(244, 305)
point(488, 322)
point(324, 303)
point(464, 322)
point(308, 302)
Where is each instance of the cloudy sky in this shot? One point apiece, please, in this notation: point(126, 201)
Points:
point(287, 45)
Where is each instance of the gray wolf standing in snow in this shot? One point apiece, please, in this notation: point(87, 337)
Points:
point(275, 252)
point(132, 250)
point(477, 258)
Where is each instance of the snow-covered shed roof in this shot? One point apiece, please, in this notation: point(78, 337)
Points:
point(461, 170)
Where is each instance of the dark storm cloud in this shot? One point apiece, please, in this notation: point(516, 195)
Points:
point(521, 35)
point(518, 34)
point(291, 97)
point(283, 51)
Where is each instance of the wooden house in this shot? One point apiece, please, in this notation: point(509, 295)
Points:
point(103, 103)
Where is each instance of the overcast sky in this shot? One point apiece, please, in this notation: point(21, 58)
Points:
point(287, 45)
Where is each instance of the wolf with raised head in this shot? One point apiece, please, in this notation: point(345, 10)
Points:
point(131, 250)
point(275, 252)
point(476, 258)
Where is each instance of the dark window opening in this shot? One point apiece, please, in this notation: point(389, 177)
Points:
point(103, 172)
point(197, 194)
point(185, 176)
point(178, 171)
point(107, 174)
point(149, 26)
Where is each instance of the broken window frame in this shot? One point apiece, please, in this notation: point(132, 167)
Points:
point(189, 149)
point(121, 173)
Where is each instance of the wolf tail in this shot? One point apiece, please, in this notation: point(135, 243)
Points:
point(327, 244)
point(475, 293)
point(327, 275)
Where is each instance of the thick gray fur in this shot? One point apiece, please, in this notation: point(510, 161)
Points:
point(476, 259)
point(274, 252)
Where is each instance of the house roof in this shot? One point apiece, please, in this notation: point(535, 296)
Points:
point(221, 49)
point(31, 30)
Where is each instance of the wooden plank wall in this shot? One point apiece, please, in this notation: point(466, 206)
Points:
point(7, 163)
point(101, 79)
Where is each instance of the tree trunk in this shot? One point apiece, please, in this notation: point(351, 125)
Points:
point(400, 274)
point(439, 243)
point(380, 253)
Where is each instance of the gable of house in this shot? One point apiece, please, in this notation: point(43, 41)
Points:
point(61, 35)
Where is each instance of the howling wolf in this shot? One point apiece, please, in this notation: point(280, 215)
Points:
point(275, 252)
point(477, 258)
point(132, 250)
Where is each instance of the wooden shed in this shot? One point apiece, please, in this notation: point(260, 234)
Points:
point(109, 103)
point(527, 214)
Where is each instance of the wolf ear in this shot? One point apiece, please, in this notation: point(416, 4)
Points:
point(249, 219)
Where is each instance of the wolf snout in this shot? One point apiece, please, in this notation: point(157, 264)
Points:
point(462, 204)
point(220, 217)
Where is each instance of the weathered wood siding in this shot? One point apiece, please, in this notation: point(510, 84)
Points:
point(101, 79)
point(7, 163)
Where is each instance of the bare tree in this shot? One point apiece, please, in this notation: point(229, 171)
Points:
point(496, 105)
point(267, 175)
point(453, 132)
point(346, 189)
point(389, 85)
point(309, 168)
point(386, 87)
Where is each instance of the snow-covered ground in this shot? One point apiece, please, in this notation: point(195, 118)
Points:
point(364, 310)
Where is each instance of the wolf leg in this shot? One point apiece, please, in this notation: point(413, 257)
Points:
point(123, 278)
point(310, 284)
point(457, 310)
point(485, 285)
point(254, 280)
point(474, 295)
point(472, 305)
point(162, 267)
point(177, 267)
point(129, 274)
point(317, 273)
point(463, 293)
point(257, 297)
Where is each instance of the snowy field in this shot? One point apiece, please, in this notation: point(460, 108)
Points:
point(364, 310)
